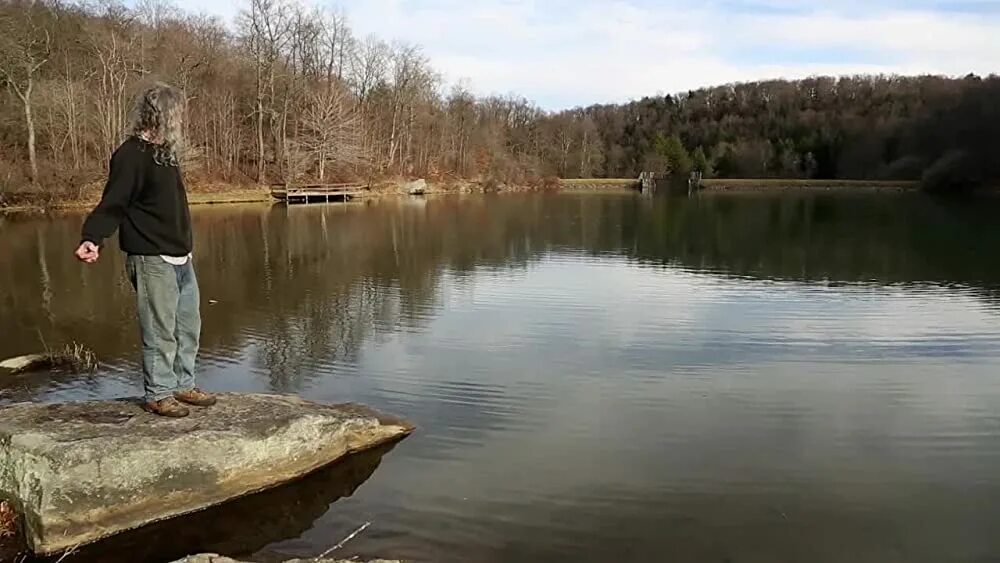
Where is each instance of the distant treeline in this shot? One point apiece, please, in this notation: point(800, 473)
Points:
point(288, 92)
point(943, 131)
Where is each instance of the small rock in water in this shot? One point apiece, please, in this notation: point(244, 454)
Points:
point(24, 363)
point(417, 187)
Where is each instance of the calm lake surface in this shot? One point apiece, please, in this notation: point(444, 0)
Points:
point(595, 377)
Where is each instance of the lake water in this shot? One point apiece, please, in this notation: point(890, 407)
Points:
point(595, 377)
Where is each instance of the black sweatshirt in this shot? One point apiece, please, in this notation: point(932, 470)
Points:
point(147, 200)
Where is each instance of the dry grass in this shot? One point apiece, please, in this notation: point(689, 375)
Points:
point(228, 194)
point(343, 542)
point(76, 357)
point(68, 553)
point(73, 357)
point(623, 182)
point(88, 196)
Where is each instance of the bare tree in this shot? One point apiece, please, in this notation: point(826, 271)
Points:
point(368, 67)
point(253, 97)
point(266, 28)
point(411, 79)
point(591, 152)
point(332, 130)
point(116, 51)
point(25, 46)
point(339, 42)
point(461, 120)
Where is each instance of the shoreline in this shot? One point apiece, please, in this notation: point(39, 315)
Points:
point(781, 184)
point(597, 184)
point(258, 194)
point(195, 197)
point(200, 195)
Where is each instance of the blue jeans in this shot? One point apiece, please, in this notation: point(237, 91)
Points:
point(170, 323)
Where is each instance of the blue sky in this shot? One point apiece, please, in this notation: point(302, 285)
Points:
point(563, 53)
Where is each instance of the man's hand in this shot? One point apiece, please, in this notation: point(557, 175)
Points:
point(88, 252)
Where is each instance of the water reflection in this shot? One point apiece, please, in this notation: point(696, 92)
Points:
point(723, 378)
point(291, 286)
point(243, 526)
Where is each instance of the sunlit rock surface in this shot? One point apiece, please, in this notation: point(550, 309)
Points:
point(79, 472)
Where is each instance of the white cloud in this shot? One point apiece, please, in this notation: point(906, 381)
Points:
point(563, 53)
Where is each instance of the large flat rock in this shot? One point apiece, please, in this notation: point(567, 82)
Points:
point(248, 524)
point(79, 472)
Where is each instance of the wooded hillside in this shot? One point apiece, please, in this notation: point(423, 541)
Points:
point(285, 91)
point(944, 131)
point(289, 92)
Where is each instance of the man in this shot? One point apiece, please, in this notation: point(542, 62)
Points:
point(146, 199)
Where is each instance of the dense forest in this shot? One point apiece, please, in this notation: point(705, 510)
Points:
point(941, 130)
point(287, 92)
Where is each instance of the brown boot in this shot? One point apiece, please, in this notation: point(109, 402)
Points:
point(166, 407)
point(195, 397)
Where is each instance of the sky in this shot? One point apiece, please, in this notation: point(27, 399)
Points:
point(566, 53)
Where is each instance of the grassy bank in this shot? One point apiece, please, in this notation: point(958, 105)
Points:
point(768, 184)
point(88, 197)
point(214, 193)
point(597, 183)
point(204, 194)
point(746, 184)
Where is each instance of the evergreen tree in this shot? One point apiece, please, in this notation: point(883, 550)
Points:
point(678, 162)
point(700, 163)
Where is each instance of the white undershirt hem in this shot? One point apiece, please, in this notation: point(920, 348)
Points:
point(176, 260)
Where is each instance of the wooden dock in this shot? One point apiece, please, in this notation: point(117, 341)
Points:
point(311, 193)
point(651, 182)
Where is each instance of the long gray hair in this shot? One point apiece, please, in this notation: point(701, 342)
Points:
point(157, 116)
